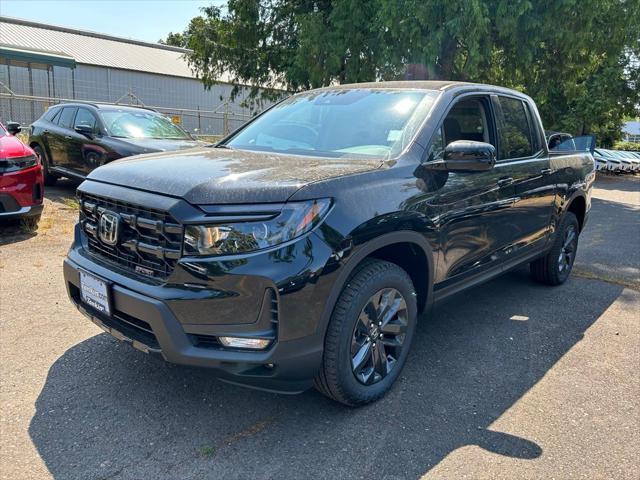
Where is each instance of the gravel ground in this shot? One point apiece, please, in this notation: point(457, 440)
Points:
point(518, 381)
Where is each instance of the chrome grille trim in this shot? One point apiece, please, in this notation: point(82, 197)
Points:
point(150, 239)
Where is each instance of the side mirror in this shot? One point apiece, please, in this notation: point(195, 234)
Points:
point(13, 128)
point(466, 156)
point(85, 130)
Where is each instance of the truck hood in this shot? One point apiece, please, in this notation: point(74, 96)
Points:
point(215, 175)
point(149, 145)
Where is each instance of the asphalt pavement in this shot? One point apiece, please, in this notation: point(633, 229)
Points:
point(510, 379)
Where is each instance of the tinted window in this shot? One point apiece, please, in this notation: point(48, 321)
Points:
point(516, 138)
point(51, 114)
point(364, 122)
point(85, 117)
point(467, 120)
point(65, 119)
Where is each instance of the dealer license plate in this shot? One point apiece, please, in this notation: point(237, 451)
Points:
point(95, 293)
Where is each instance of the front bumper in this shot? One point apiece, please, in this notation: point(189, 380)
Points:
point(21, 193)
point(156, 319)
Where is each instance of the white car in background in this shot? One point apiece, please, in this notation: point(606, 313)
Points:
point(633, 158)
point(600, 159)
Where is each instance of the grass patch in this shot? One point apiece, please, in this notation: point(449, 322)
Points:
point(71, 203)
point(206, 451)
point(605, 278)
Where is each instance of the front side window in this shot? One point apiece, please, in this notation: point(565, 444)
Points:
point(126, 123)
point(65, 119)
point(368, 123)
point(86, 118)
point(516, 139)
point(467, 120)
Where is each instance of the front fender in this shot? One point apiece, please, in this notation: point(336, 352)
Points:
point(345, 264)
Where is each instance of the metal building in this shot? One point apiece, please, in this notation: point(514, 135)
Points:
point(42, 64)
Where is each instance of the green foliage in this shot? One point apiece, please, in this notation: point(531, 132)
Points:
point(174, 39)
point(627, 146)
point(577, 59)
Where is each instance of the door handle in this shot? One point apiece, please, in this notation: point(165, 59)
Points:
point(68, 137)
point(503, 182)
point(546, 171)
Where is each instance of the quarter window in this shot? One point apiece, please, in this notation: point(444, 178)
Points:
point(516, 139)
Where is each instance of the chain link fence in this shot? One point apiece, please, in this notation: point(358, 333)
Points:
point(25, 109)
point(27, 90)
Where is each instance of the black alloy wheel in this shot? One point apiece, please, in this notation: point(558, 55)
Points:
point(378, 336)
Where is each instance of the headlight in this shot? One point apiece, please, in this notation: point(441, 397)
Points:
point(17, 163)
point(295, 219)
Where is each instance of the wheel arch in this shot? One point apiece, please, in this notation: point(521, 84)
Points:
point(578, 206)
point(390, 247)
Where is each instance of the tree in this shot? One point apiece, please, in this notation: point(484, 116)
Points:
point(575, 58)
point(174, 39)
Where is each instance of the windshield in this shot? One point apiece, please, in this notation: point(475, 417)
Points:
point(139, 124)
point(366, 123)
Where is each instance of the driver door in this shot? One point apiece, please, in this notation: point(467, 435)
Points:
point(471, 208)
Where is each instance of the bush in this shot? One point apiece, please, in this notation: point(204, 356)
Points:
point(628, 146)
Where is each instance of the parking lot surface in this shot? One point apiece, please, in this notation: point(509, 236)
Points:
point(509, 380)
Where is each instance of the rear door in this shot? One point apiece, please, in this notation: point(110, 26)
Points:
point(59, 137)
point(524, 162)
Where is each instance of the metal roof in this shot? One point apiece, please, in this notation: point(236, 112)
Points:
point(93, 48)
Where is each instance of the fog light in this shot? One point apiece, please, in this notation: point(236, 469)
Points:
point(238, 342)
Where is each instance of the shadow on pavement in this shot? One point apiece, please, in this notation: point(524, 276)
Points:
point(63, 191)
point(108, 411)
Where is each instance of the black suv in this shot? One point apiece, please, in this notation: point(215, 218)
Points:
point(301, 249)
point(74, 138)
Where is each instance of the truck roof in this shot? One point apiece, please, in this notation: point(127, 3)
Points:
point(442, 85)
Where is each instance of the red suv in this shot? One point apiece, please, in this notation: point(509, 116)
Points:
point(21, 182)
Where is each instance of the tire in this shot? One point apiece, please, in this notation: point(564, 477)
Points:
point(49, 178)
point(555, 267)
point(350, 331)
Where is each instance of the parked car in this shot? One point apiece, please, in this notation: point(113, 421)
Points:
point(635, 161)
point(21, 182)
point(601, 160)
point(302, 249)
point(626, 164)
point(613, 163)
point(74, 138)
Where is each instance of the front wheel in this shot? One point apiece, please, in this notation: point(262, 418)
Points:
point(555, 267)
point(369, 334)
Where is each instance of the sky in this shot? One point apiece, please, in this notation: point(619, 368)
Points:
point(148, 20)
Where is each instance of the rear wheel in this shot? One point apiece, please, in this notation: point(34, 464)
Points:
point(369, 334)
point(555, 267)
point(49, 178)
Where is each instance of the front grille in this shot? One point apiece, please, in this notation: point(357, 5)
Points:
point(149, 241)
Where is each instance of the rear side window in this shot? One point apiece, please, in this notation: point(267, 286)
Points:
point(516, 136)
point(65, 119)
point(85, 117)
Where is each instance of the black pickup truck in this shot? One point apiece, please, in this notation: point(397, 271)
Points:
point(302, 249)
